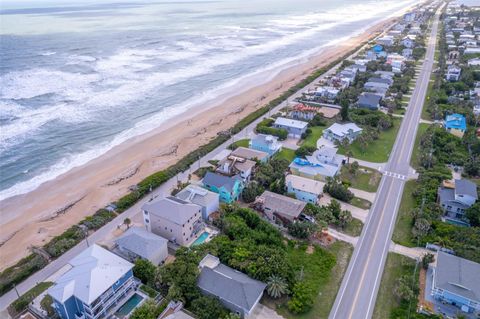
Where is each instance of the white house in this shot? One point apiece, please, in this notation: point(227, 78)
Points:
point(339, 132)
point(304, 189)
point(294, 128)
point(138, 243)
point(453, 73)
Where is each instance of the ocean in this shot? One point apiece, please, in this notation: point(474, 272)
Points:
point(77, 79)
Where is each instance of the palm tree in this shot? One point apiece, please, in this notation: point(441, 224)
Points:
point(276, 286)
point(127, 222)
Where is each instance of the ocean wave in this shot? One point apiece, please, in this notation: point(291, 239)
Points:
point(47, 53)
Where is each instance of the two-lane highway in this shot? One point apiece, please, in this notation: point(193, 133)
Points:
point(358, 292)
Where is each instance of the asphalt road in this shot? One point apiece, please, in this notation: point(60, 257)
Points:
point(359, 288)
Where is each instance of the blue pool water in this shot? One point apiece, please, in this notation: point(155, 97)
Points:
point(200, 240)
point(129, 305)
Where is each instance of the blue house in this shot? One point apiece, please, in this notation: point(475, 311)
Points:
point(304, 189)
point(456, 281)
point(228, 187)
point(377, 48)
point(456, 124)
point(98, 283)
point(266, 143)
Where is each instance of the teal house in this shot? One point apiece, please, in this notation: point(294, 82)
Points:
point(229, 188)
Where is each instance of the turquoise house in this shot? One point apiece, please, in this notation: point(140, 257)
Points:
point(229, 188)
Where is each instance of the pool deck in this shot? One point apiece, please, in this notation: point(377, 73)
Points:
point(211, 234)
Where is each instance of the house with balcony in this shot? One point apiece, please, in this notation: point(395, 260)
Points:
point(279, 208)
point(339, 132)
point(138, 243)
point(323, 163)
point(369, 101)
point(250, 154)
point(98, 283)
point(456, 281)
point(266, 143)
point(294, 128)
point(304, 189)
point(456, 124)
point(236, 166)
point(172, 218)
point(453, 73)
point(455, 198)
point(228, 187)
point(207, 200)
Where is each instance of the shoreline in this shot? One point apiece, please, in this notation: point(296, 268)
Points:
point(35, 217)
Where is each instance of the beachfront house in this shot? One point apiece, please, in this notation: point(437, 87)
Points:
point(456, 124)
point(228, 187)
point(456, 281)
point(236, 291)
point(386, 41)
point(369, 101)
point(304, 189)
point(95, 286)
point(323, 163)
point(207, 200)
point(303, 112)
point(294, 128)
point(279, 208)
point(455, 198)
point(453, 73)
point(338, 132)
point(177, 220)
point(138, 243)
point(266, 143)
point(250, 154)
point(236, 166)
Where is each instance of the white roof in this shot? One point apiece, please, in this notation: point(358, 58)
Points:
point(305, 184)
point(290, 123)
point(93, 272)
point(343, 129)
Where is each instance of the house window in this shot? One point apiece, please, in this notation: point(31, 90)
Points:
point(147, 221)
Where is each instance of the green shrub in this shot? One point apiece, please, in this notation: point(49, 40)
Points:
point(21, 270)
point(22, 303)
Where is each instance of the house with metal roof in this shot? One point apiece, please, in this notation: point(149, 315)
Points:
point(456, 124)
point(96, 285)
point(138, 243)
point(294, 128)
point(236, 291)
point(456, 281)
point(340, 132)
point(455, 198)
point(207, 200)
point(280, 208)
point(172, 218)
point(369, 101)
point(323, 163)
point(265, 143)
point(229, 188)
point(304, 189)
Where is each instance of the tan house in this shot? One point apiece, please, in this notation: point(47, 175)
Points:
point(279, 208)
point(177, 220)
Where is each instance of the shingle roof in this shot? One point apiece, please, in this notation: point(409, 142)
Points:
point(142, 242)
point(466, 187)
point(231, 285)
point(197, 195)
point(173, 209)
point(282, 204)
point(249, 153)
point(343, 129)
point(218, 180)
point(93, 271)
point(369, 99)
point(457, 275)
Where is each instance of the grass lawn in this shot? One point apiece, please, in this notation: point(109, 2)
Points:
point(354, 228)
point(414, 161)
point(22, 303)
point(425, 115)
point(402, 233)
point(326, 282)
point(396, 266)
point(365, 179)
point(286, 153)
point(361, 203)
point(244, 142)
point(312, 139)
point(378, 150)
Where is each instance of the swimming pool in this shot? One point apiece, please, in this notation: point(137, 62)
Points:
point(128, 306)
point(200, 240)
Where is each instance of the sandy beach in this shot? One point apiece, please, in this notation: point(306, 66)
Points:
point(33, 218)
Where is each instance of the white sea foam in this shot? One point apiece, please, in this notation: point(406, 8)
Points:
point(47, 53)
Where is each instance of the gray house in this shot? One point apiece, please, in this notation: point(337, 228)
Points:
point(455, 198)
point(235, 290)
point(209, 201)
point(138, 243)
point(295, 128)
point(369, 101)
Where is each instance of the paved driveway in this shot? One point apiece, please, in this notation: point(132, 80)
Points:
point(263, 312)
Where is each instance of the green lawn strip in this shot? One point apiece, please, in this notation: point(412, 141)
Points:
point(377, 151)
point(327, 282)
point(425, 115)
point(402, 233)
point(354, 228)
point(312, 139)
point(414, 161)
point(240, 143)
point(286, 153)
point(395, 267)
point(366, 179)
point(402, 110)
point(361, 203)
point(22, 303)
